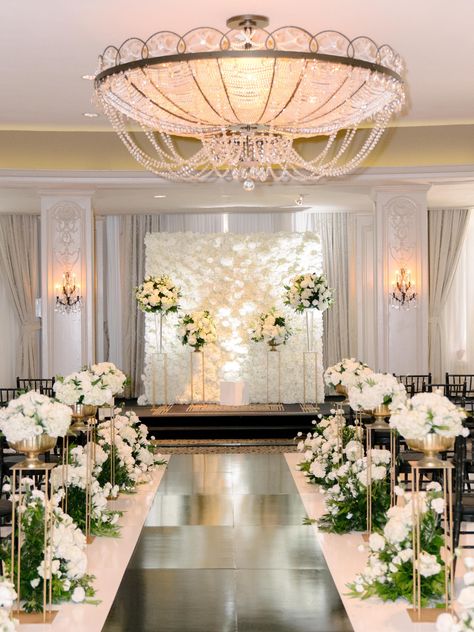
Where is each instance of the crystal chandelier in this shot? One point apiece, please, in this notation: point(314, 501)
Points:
point(68, 299)
point(246, 97)
point(403, 295)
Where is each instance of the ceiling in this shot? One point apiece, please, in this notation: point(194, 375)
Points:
point(46, 47)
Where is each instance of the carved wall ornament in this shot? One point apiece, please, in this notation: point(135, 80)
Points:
point(402, 213)
point(67, 238)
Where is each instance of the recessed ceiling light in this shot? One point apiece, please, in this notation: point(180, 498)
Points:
point(88, 77)
point(90, 114)
point(159, 196)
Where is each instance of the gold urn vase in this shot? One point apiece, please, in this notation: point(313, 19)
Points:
point(341, 390)
point(431, 446)
point(32, 448)
point(79, 413)
point(380, 413)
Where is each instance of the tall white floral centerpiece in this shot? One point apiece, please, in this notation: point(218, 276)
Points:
point(429, 422)
point(112, 377)
point(271, 327)
point(379, 393)
point(159, 296)
point(32, 423)
point(196, 330)
point(307, 293)
point(345, 374)
point(84, 391)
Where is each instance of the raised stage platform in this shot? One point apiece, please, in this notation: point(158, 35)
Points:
point(212, 421)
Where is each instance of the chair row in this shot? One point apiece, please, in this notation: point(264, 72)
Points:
point(24, 384)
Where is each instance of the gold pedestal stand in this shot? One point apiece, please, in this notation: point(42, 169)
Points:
point(417, 613)
point(198, 352)
point(90, 464)
point(48, 614)
point(272, 352)
point(159, 358)
point(310, 358)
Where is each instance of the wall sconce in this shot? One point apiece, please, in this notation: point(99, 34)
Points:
point(403, 295)
point(68, 299)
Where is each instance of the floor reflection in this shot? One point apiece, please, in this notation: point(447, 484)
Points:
point(224, 550)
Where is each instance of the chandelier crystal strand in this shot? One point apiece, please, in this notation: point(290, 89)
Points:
point(245, 96)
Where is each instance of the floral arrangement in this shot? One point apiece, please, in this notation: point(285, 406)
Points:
point(158, 294)
point(376, 389)
point(309, 291)
point(271, 327)
point(197, 329)
point(111, 376)
point(34, 414)
point(134, 455)
point(66, 547)
point(346, 499)
point(389, 571)
point(83, 387)
point(8, 596)
point(428, 413)
point(325, 449)
point(348, 372)
point(74, 477)
point(465, 623)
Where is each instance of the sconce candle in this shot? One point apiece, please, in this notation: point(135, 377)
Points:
point(403, 295)
point(68, 299)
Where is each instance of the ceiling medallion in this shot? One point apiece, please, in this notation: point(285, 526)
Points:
point(246, 97)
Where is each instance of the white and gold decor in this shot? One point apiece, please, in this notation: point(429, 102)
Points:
point(378, 394)
point(429, 422)
point(32, 423)
point(345, 374)
point(235, 277)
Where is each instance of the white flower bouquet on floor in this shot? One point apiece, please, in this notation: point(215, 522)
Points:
point(375, 390)
point(348, 372)
point(428, 413)
point(111, 376)
point(465, 622)
point(34, 414)
point(389, 571)
point(309, 291)
point(65, 550)
point(158, 295)
point(325, 449)
point(346, 499)
point(83, 387)
point(271, 327)
point(197, 329)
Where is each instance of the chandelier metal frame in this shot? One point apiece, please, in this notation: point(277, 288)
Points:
point(196, 89)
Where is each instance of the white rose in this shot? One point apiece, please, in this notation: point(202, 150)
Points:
point(466, 597)
point(78, 594)
point(376, 542)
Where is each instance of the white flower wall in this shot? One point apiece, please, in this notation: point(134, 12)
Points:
point(235, 277)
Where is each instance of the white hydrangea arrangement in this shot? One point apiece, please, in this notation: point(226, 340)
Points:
point(8, 596)
point(376, 389)
point(111, 376)
point(74, 477)
point(66, 549)
point(346, 498)
point(83, 387)
point(327, 447)
point(34, 414)
point(465, 622)
point(428, 413)
point(389, 570)
point(348, 372)
point(158, 295)
point(309, 291)
point(197, 329)
point(271, 327)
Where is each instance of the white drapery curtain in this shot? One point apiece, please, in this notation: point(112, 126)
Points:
point(457, 316)
point(333, 230)
point(446, 232)
point(126, 258)
point(19, 264)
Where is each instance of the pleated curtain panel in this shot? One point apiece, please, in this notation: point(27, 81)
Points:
point(19, 265)
point(446, 231)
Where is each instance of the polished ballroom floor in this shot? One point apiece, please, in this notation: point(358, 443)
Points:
point(224, 550)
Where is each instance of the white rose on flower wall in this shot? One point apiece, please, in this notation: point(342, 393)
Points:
point(235, 277)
